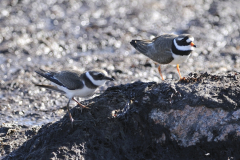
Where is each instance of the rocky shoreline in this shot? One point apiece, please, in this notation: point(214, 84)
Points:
point(195, 117)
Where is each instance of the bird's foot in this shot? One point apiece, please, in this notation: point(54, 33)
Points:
point(71, 119)
point(182, 79)
point(83, 106)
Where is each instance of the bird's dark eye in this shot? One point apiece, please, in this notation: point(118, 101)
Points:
point(100, 76)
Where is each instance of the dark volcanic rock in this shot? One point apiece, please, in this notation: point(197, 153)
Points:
point(13, 136)
point(197, 117)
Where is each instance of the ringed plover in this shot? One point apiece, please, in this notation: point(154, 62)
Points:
point(166, 49)
point(73, 83)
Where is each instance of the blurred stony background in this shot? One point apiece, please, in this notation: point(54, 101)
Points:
point(82, 35)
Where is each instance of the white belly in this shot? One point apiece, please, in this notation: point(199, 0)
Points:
point(84, 92)
point(177, 59)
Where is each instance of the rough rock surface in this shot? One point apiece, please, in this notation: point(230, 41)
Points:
point(197, 117)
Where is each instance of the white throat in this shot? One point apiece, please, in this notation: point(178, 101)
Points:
point(183, 48)
point(95, 82)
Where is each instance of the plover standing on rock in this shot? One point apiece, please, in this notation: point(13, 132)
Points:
point(166, 49)
point(74, 83)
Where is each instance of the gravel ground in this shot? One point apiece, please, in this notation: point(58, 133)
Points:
point(83, 35)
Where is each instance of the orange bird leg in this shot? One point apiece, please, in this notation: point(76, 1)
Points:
point(179, 71)
point(159, 70)
point(82, 106)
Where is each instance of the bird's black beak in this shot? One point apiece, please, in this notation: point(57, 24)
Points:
point(108, 78)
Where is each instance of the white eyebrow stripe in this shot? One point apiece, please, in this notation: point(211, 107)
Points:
point(95, 82)
point(191, 39)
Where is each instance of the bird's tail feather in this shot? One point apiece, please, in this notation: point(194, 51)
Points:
point(43, 72)
point(49, 87)
point(141, 45)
